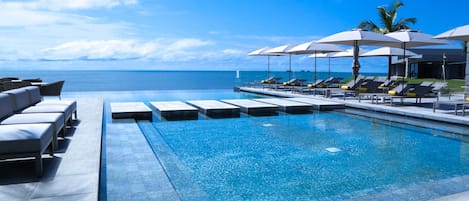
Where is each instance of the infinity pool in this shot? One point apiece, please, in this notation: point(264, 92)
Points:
point(318, 156)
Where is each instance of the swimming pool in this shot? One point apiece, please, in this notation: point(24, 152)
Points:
point(320, 156)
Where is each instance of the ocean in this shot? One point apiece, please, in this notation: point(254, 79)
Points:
point(98, 80)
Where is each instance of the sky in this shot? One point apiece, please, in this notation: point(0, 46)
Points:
point(193, 34)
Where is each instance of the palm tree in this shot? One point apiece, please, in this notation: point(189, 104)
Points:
point(388, 16)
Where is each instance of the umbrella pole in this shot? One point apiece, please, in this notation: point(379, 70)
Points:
point(405, 64)
point(289, 68)
point(329, 72)
point(315, 75)
point(356, 64)
point(268, 67)
point(389, 66)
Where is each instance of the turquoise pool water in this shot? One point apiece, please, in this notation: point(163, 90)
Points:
point(318, 156)
point(302, 157)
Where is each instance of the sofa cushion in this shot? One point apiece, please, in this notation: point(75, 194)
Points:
point(56, 119)
point(49, 109)
point(24, 138)
point(6, 106)
point(20, 98)
point(34, 94)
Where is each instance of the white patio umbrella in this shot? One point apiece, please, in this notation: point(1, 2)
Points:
point(263, 52)
point(348, 53)
point(314, 48)
point(283, 50)
point(356, 38)
point(389, 52)
point(458, 33)
point(324, 55)
point(410, 38)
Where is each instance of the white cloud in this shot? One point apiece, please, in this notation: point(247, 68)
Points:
point(101, 49)
point(163, 49)
point(233, 52)
point(57, 5)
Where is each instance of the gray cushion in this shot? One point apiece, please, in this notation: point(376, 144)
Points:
point(20, 98)
point(24, 138)
point(56, 119)
point(34, 94)
point(6, 106)
point(71, 103)
point(49, 109)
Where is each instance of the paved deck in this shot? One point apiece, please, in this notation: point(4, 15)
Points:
point(440, 115)
point(73, 174)
point(173, 110)
point(133, 110)
point(253, 107)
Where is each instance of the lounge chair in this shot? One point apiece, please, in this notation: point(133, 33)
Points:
point(294, 82)
point(332, 82)
point(371, 86)
point(37, 100)
point(354, 83)
point(24, 102)
point(415, 91)
point(52, 89)
point(26, 140)
point(315, 84)
point(8, 116)
point(271, 80)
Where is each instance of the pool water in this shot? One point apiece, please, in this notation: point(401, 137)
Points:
point(304, 157)
point(318, 156)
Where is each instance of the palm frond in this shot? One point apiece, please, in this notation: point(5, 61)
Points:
point(369, 26)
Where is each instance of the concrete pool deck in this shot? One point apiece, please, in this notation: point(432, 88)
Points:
point(72, 174)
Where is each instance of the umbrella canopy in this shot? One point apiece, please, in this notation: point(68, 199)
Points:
point(410, 38)
point(282, 50)
point(389, 51)
point(314, 48)
point(356, 38)
point(348, 53)
point(259, 52)
point(458, 33)
point(263, 52)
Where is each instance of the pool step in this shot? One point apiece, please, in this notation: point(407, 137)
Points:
point(251, 107)
point(216, 109)
point(134, 110)
point(175, 110)
point(288, 106)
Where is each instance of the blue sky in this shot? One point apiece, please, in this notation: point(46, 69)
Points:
point(191, 34)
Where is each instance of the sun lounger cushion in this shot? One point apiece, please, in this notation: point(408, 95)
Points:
point(49, 109)
point(20, 98)
point(6, 109)
point(56, 119)
point(24, 138)
point(36, 99)
point(34, 94)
